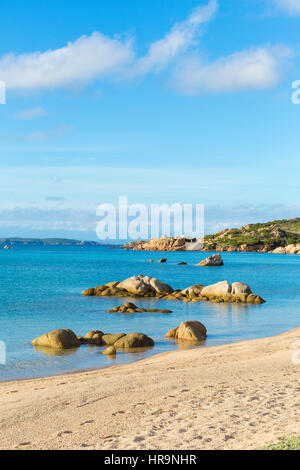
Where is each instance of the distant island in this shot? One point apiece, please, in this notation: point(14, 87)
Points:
point(278, 236)
point(11, 242)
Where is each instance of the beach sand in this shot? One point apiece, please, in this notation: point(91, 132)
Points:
point(239, 396)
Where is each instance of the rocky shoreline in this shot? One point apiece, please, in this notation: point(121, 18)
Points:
point(58, 340)
point(148, 287)
point(181, 244)
point(278, 236)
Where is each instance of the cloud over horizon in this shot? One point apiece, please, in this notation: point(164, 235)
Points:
point(81, 223)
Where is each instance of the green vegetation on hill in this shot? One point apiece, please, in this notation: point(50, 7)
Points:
point(268, 235)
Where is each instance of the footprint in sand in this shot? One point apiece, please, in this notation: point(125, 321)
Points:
point(138, 439)
point(121, 412)
point(60, 434)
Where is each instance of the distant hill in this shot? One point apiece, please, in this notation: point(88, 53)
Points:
point(45, 242)
point(256, 237)
point(279, 236)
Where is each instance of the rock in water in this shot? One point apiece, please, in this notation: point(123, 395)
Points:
point(193, 291)
point(163, 260)
point(89, 292)
point(217, 290)
point(134, 340)
point(94, 337)
point(132, 308)
point(172, 333)
point(134, 285)
point(110, 340)
point(214, 260)
point(146, 286)
point(240, 288)
point(159, 286)
point(58, 339)
point(192, 331)
point(110, 351)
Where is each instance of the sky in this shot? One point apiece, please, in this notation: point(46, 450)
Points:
point(163, 101)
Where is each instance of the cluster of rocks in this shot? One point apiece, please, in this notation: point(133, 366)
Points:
point(136, 286)
point(214, 260)
point(163, 260)
point(190, 331)
point(132, 308)
point(67, 339)
point(146, 286)
point(293, 249)
point(289, 250)
point(161, 244)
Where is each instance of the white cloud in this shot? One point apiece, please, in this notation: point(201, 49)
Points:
point(292, 7)
point(41, 136)
point(31, 113)
point(98, 56)
point(181, 36)
point(87, 58)
point(92, 57)
point(58, 132)
point(249, 69)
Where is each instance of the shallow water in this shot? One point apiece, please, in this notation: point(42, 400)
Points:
point(41, 291)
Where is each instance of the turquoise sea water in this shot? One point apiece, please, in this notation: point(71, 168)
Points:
point(41, 291)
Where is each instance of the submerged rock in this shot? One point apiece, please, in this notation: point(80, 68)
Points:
point(58, 339)
point(132, 308)
point(214, 260)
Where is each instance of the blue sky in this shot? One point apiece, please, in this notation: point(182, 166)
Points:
point(162, 101)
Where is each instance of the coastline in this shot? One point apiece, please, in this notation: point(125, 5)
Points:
point(236, 396)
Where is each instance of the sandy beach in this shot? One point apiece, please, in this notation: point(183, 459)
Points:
point(238, 396)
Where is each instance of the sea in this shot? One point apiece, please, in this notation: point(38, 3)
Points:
point(41, 291)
